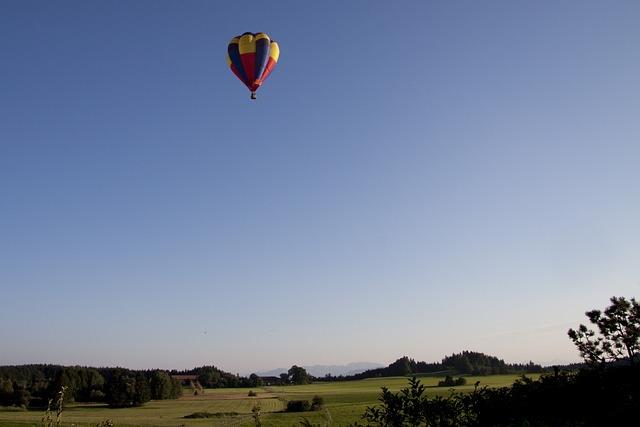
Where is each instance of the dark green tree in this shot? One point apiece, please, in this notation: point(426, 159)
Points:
point(120, 389)
point(161, 386)
point(127, 388)
point(617, 337)
point(21, 396)
point(68, 377)
point(255, 381)
point(6, 392)
point(401, 367)
point(142, 390)
point(284, 377)
point(298, 375)
point(176, 388)
point(89, 386)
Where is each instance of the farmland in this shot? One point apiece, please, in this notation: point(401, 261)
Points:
point(344, 403)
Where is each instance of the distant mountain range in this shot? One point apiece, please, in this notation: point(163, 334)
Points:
point(322, 370)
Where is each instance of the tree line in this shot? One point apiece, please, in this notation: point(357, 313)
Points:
point(212, 377)
point(35, 385)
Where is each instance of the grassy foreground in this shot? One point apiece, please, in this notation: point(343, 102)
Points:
point(344, 403)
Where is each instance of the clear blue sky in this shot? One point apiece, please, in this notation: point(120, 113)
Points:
point(415, 178)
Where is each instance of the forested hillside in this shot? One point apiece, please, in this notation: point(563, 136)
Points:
point(467, 362)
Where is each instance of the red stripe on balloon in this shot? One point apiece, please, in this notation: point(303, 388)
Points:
point(267, 70)
point(238, 75)
point(249, 65)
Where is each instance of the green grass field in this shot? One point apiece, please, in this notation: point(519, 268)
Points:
point(344, 403)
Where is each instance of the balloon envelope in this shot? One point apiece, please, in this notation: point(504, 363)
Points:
point(252, 57)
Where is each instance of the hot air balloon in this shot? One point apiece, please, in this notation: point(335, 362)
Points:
point(252, 57)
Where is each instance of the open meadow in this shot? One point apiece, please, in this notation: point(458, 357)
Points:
point(344, 403)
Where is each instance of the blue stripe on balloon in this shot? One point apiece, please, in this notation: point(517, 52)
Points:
point(234, 55)
point(262, 56)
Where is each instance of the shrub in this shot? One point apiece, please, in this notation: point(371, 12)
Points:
point(317, 403)
point(449, 381)
point(606, 396)
point(252, 393)
point(298, 406)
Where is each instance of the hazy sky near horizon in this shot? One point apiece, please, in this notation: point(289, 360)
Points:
point(415, 178)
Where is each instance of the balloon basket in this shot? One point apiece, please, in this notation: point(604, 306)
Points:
point(253, 95)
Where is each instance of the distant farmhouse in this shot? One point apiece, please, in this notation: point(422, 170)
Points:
point(185, 379)
point(271, 380)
